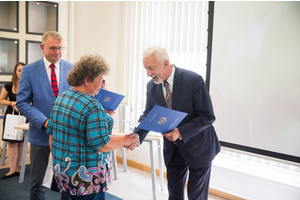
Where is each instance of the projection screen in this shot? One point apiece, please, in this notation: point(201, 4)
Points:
point(255, 76)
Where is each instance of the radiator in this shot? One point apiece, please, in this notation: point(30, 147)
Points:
point(250, 177)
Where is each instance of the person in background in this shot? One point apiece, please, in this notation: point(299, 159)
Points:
point(191, 147)
point(104, 85)
point(80, 133)
point(40, 83)
point(15, 147)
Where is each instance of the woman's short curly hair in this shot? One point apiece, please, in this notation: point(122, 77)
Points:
point(89, 66)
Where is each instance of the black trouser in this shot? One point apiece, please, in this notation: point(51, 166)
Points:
point(39, 157)
point(177, 171)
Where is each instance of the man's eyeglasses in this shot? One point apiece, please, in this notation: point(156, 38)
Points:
point(57, 48)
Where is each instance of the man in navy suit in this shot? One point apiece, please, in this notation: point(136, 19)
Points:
point(34, 100)
point(191, 146)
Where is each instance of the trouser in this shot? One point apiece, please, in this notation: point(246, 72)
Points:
point(177, 171)
point(39, 156)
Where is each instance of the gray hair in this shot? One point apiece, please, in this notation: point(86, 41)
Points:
point(89, 66)
point(160, 53)
point(53, 34)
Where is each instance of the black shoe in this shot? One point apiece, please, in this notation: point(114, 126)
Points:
point(17, 173)
point(8, 176)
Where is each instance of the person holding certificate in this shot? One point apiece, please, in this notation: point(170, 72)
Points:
point(80, 133)
point(190, 148)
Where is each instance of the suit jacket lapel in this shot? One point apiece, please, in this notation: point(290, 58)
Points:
point(44, 76)
point(177, 84)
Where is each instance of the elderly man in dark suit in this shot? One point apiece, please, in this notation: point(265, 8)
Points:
point(191, 146)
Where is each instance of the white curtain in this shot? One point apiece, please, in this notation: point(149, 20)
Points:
point(180, 27)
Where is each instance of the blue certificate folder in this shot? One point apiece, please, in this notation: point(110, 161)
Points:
point(109, 100)
point(161, 120)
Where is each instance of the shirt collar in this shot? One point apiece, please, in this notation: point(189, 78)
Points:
point(47, 63)
point(171, 77)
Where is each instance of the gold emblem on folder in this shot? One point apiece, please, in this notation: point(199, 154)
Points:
point(162, 120)
point(106, 99)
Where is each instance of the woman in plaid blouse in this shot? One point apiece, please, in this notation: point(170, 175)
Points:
point(80, 133)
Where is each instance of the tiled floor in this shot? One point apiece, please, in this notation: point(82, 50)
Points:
point(132, 185)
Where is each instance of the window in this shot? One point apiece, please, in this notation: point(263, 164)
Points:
point(179, 27)
point(9, 15)
point(33, 51)
point(9, 55)
point(41, 17)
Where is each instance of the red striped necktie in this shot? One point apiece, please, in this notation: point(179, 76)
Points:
point(53, 80)
point(168, 95)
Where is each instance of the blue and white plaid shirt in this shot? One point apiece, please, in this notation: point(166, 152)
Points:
point(79, 126)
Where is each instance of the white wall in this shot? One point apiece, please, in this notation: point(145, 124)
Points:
point(97, 29)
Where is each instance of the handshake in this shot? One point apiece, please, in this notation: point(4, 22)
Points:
point(132, 141)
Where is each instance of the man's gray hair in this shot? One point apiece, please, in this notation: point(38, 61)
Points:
point(53, 34)
point(160, 53)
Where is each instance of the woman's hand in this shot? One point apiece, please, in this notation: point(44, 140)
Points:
point(135, 142)
point(117, 141)
point(14, 105)
point(110, 112)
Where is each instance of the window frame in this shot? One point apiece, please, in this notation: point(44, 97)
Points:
point(27, 16)
point(17, 20)
point(27, 50)
point(17, 53)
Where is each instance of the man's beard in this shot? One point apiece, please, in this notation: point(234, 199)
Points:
point(159, 80)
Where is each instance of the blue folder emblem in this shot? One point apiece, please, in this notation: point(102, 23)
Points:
point(162, 120)
point(106, 99)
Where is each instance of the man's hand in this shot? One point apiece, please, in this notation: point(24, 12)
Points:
point(135, 144)
point(173, 135)
point(45, 124)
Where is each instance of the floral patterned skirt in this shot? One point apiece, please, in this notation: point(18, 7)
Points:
point(85, 181)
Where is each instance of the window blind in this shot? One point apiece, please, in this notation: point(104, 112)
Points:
point(180, 27)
